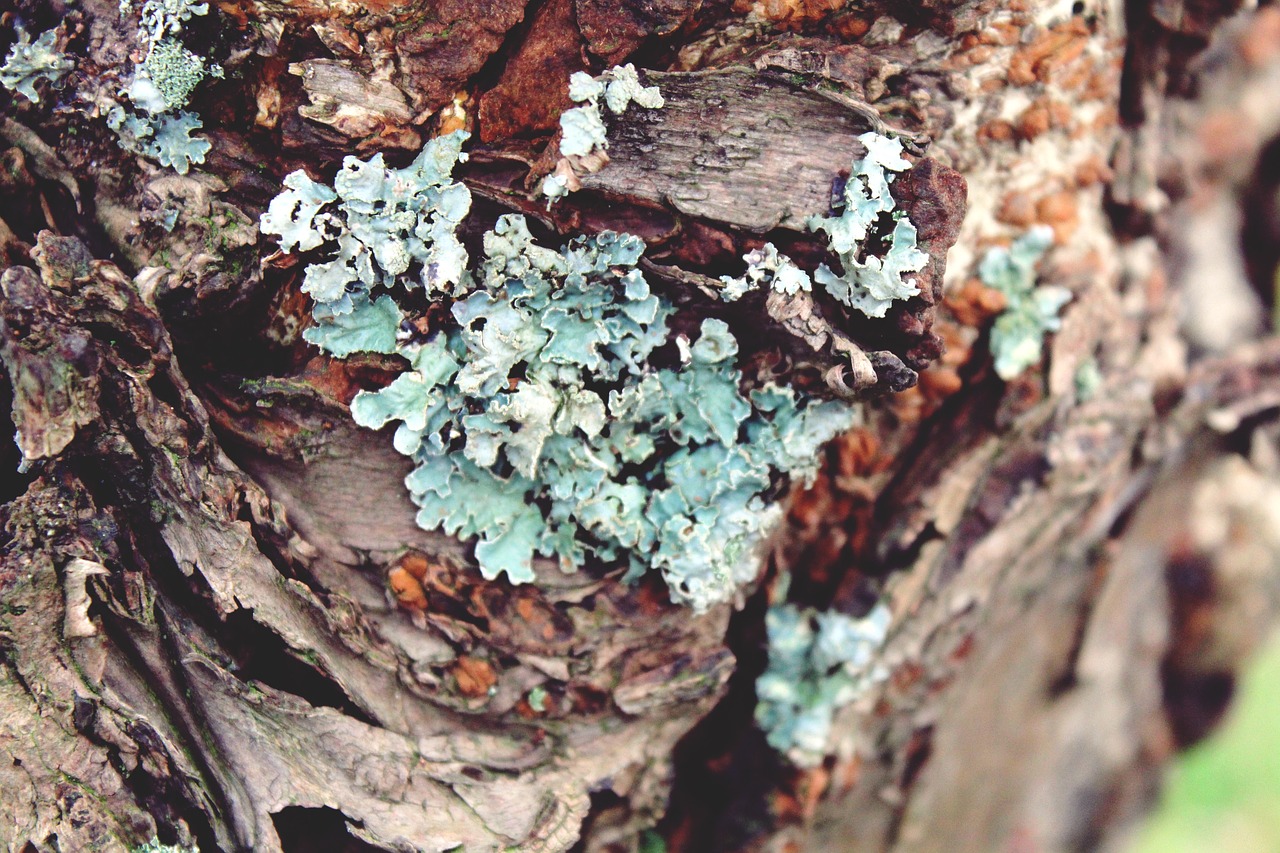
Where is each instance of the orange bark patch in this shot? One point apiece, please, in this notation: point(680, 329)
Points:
point(998, 130)
point(407, 590)
point(794, 14)
point(416, 564)
point(474, 676)
point(1060, 212)
point(1050, 52)
point(1017, 209)
point(1043, 115)
point(975, 303)
point(534, 88)
point(1002, 35)
point(1092, 171)
point(1261, 42)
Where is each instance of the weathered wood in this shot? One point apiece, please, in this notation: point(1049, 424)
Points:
point(1041, 541)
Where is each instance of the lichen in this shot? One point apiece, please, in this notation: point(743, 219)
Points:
point(31, 61)
point(1017, 337)
point(766, 266)
point(165, 138)
point(819, 662)
point(160, 18)
point(869, 282)
point(583, 132)
point(173, 145)
point(154, 846)
point(556, 414)
point(582, 128)
point(162, 84)
point(387, 225)
point(539, 424)
point(174, 72)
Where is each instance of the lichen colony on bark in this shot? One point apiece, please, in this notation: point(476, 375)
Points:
point(222, 624)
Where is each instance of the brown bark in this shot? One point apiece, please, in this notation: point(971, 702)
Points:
point(220, 624)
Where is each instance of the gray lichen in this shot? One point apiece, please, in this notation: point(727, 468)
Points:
point(540, 420)
point(30, 61)
point(166, 139)
point(819, 662)
point(868, 282)
point(582, 128)
point(162, 84)
point(160, 18)
point(583, 133)
point(1017, 337)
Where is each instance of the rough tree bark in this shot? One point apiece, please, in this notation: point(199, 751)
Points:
point(197, 638)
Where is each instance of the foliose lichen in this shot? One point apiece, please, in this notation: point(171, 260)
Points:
point(30, 61)
point(582, 129)
point(162, 84)
point(1017, 337)
point(388, 226)
point(557, 414)
point(160, 18)
point(866, 281)
point(166, 139)
point(766, 267)
point(819, 662)
point(154, 846)
point(173, 72)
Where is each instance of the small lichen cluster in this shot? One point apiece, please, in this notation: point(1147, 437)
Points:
point(154, 846)
point(556, 414)
point(388, 225)
point(819, 662)
point(866, 281)
point(582, 129)
point(161, 85)
point(168, 76)
point(31, 61)
point(1017, 337)
point(167, 140)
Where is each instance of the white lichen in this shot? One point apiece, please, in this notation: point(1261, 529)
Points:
point(871, 283)
point(1017, 336)
point(29, 61)
point(536, 420)
point(819, 662)
point(583, 131)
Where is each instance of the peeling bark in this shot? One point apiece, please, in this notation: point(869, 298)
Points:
point(217, 614)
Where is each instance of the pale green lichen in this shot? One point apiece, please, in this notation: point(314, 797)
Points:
point(1088, 379)
point(387, 225)
point(174, 72)
point(766, 266)
point(165, 138)
point(174, 146)
point(160, 18)
point(539, 420)
point(1017, 337)
point(162, 84)
point(819, 662)
point(539, 425)
point(868, 282)
point(154, 846)
point(31, 61)
point(582, 129)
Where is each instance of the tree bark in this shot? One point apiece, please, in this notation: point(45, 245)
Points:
point(199, 624)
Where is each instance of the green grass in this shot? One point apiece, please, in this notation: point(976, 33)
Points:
point(1224, 794)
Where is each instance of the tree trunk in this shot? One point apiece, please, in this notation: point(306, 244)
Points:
point(221, 625)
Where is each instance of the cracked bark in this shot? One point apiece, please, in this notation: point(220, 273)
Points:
point(198, 636)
